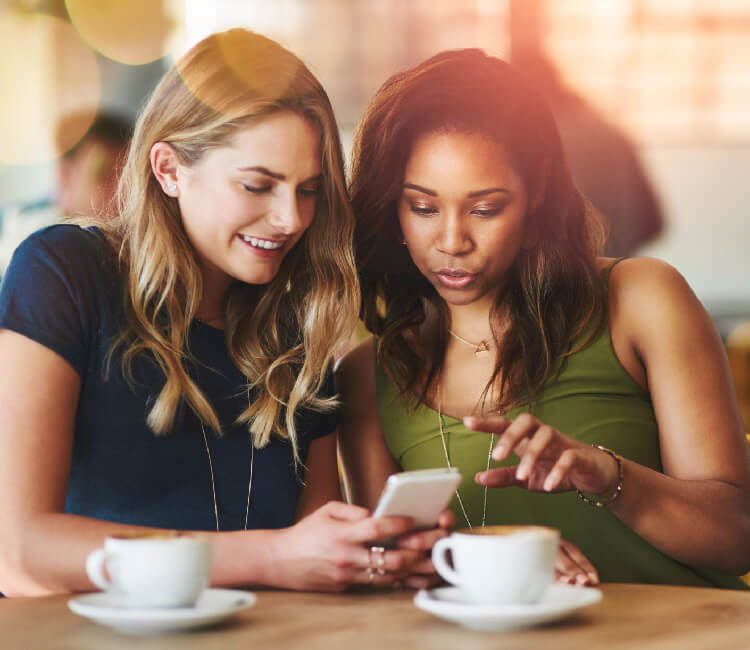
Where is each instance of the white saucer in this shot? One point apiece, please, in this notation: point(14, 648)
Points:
point(213, 606)
point(558, 601)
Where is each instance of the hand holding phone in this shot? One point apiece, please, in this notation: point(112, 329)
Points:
point(421, 494)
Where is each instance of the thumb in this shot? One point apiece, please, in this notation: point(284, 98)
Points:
point(344, 511)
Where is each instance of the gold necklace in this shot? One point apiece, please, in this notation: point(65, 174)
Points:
point(448, 462)
point(213, 483)
point(479, 348)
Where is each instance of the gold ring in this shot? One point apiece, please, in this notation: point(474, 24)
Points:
point(378, 553)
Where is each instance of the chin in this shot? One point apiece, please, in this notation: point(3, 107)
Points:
point(458, 298)
point(257, 279)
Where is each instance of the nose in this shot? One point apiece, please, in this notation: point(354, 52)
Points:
point(453, 238)
point(285, 214)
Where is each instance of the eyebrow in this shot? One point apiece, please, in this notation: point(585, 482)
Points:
point(279, 177)
point(491, 190)
point(419, 188)
point(471, 195)
point(264, 171)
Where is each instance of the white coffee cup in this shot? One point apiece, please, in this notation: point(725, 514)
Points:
point(164, 569)
point(499, 564)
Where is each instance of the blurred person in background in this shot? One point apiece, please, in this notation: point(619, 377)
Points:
point(87, 174)
point(604, 162)
point(86, 179)
point(170, 367)
point(573, 390)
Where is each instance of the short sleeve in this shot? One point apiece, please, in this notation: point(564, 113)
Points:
point(47, 291)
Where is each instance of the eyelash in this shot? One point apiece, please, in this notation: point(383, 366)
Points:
point(257, 190)
point(262, 190)
point(423, 211)
point(492, 212)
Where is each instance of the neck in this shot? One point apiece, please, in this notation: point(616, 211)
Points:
point(211, 311)
point(471, 322)
point(212, 304)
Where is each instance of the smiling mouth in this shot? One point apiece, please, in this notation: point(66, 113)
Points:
point(264, 244)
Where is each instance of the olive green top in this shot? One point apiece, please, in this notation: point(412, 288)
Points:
point(593, 400)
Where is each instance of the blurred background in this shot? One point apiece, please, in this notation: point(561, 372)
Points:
point(652, 98)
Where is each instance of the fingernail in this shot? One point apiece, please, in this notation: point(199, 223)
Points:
point(479, 477)
point(498, 452)
point(523, 470)
point(549, 483)
point(469, 422)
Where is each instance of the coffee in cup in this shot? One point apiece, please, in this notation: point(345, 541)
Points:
point(152, 569)
point(499, 564)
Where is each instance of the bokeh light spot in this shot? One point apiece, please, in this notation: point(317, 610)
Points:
point(48, 73)
point(129, 31)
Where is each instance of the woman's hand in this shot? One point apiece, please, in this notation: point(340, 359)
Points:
point(549, 460)
point(423, 574)
point(327, 551)
point(572, 567)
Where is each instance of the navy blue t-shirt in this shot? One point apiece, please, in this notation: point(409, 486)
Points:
point(62, 290)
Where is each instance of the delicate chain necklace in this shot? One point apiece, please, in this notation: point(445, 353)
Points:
point(479, 348)
point(448, 463)
point(213, 483)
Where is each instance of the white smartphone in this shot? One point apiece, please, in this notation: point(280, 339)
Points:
point(422, 494)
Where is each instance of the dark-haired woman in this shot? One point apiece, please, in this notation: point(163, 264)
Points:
point(506, 346)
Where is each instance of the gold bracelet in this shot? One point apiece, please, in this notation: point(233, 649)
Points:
point(618, 489)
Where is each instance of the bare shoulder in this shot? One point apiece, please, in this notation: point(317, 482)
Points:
point(650, 302)
point(357, 365)
point(646, 274)
point(646, 283)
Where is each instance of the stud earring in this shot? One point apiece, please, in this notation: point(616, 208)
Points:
point(171, 187)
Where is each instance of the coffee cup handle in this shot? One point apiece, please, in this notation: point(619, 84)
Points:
point(439, 560)
point(95, 569)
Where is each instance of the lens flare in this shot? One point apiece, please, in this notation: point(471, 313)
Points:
point(256, 67)
point(129, 31)
point(48, 74)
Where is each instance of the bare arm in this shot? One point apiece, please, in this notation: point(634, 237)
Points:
point(43, 550)
point(698, 510)
point(366, 461)
point(321, 476)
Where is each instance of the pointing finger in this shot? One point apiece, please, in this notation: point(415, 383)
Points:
point(500, 477)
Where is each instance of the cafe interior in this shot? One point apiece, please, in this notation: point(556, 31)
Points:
point(652, 99)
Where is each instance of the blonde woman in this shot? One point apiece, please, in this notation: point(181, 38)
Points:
point(168, 369)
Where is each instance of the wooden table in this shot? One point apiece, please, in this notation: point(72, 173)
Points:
point(629, 616)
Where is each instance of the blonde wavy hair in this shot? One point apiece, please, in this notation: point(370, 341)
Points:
point(282, 335)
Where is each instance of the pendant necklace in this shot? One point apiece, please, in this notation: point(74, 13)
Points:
point(448, 462)
point(213, 483)
point(479, 348)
